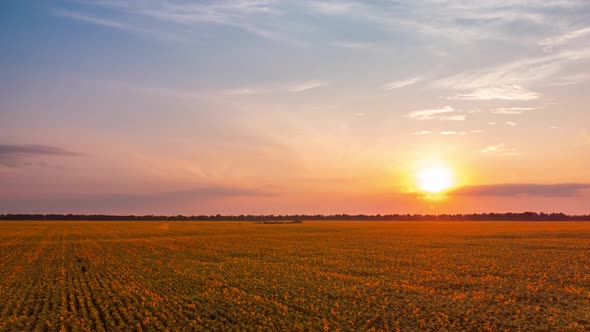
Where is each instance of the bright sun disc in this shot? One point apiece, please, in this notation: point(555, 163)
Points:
point(435, 179)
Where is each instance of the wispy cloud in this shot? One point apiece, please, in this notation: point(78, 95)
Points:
point(513, 110)
point(431, 114)
point(551, 42)
point(509, 81)
point(493, 148)
point(278, 88)
point(247, 91)
point(524, 189)
point(306, 86)
point(400, 84)
point(514, 73)
point(198, 198)
point(7, 149)
point(330, 8)
point(448, 132)
point(359, 46)
point(505, 92)
point(95, 20)
point(511, 123)
point(460, 21)
point(244, 15)
point(454, 117)
point(110, 23)
point(237, 14)
point(10, 155)
point(571, 79)
point(499, 149)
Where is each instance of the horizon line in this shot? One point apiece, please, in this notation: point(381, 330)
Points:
point(485, 216)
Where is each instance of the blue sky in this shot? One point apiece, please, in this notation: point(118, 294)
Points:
point(293, 106)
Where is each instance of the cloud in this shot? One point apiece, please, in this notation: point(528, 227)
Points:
point(359, 45)
point(95, 20)
point(247, 91)
point(447, 132)
point(524, 189)
point(452, 132)
point(280, 88)
point(306, 86)
point(198, 198)
point(244, 15)
point(518, 72)
point(551, 42)
point(400, 84)
point(571, 79)
point(513, 110)
point(7, 149)
point(499, 149)
point(493, 148)
point(277, 20)
point(460, 21)
point(505, 92)
point(454, 118)
point(330, 8)
point(508, 81)
point(511, 124)
point(431, 113)
point(110, 23)
point(11, 155)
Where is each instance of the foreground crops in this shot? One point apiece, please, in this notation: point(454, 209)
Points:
point(315, 276)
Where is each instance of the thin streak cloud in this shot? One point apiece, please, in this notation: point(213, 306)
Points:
point(506, 92)
point(400, 84)
point(513, 110)
point(499, 149)
point(306, 86)
point(551, 42)
point(278, 88)
point(430, 114)
point(509, 81)
point(451, 132)
point(110, 23)
point(34, 149)
point(524, 189)
point(13, 155)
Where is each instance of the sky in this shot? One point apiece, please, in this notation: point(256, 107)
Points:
point(293, 107)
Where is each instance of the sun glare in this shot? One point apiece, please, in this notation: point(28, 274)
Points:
point(435, 179)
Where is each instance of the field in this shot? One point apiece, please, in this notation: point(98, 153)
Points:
point(316, 276)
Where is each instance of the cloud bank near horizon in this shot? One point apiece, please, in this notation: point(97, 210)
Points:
point(524, 189)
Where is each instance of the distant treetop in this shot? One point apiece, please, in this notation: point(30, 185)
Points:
point(522, 216)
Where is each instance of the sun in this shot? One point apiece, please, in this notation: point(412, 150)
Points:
point(435, 179)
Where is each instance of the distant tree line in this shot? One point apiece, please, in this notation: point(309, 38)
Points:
point(524, 216)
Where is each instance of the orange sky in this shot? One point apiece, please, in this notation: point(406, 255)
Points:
point(294, 107)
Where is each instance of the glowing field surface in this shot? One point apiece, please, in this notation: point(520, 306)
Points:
point(316, 276)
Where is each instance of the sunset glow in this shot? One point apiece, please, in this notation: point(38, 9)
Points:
point(294, 165)
point(435, 180)
point(248, 107)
